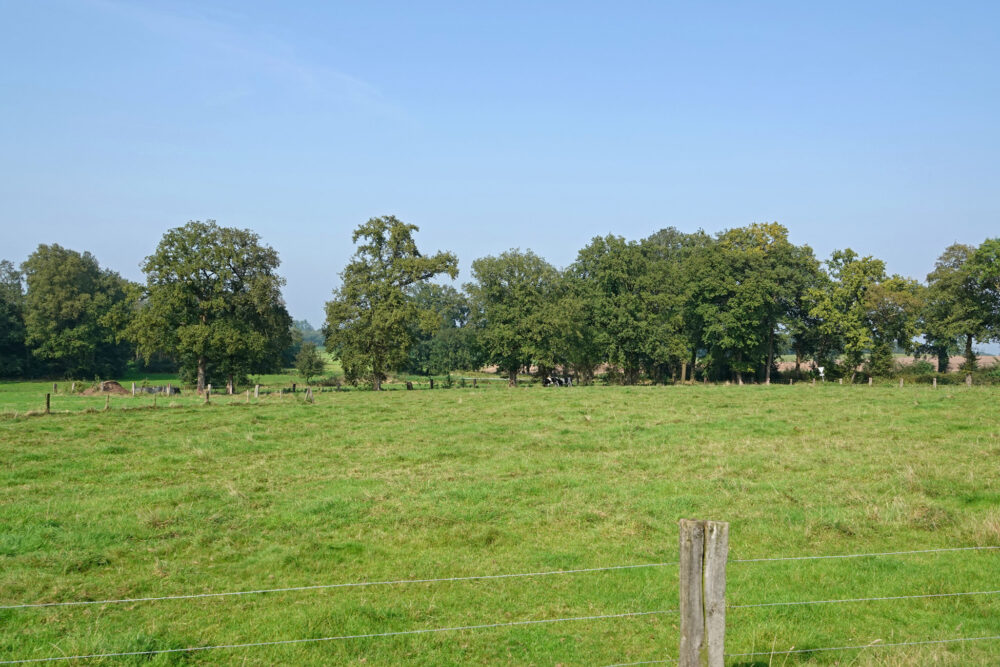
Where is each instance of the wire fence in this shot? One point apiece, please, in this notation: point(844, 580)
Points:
point(531, 622)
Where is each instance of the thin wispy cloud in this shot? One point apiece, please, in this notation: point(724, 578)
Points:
point(260, 52)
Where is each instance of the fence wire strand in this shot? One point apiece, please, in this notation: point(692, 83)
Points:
point(891, 597)
point(317, 587)
point(865, 555)
point(283, 642)
point(863, 646)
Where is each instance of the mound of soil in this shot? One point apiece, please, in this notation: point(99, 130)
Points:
point(107, 387)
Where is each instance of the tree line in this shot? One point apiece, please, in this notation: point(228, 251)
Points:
point(671, 307)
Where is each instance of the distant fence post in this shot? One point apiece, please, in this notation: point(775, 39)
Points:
point(107, 402)
point(934, 383)
point(704, 548)
point(869, 382)
point(72, 388)
point(46, 404)
point(309, 395)
point(900, 383)
point(473, 383)
point(55, 388)
point(432, 383)
point(256, 391)
point(133, 390)
point(840, 381)
point(208, 392)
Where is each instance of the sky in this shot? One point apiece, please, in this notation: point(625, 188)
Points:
point(495, 125)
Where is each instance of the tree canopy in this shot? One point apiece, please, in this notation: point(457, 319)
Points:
point(212, 300)
point(68, 313)
point(370, 320)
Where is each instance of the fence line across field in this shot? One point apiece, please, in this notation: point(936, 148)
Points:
point(480, 577)
point(398, 633)
point(356, 584)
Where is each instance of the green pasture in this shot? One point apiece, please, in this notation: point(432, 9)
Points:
point(360, 486)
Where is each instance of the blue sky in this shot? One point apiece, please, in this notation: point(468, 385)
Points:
point(496, 125)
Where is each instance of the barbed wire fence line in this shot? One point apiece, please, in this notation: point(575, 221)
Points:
point(533, 622)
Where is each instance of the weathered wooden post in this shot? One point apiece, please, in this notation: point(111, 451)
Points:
point(72, 388)
point(55, 388)
point(869, 381)
point(813, 382)
point(256, 391)
point(704, 548)
point(309, 395)
point(208, 392)
point(107, 402)
point(46, 404)
point(293, 387)
point(432, 383)
point(934, 383)
point(170, 390)
point(473, 383)
point(840, 381)
point(968, 379)
point(900, 383)
point(133, 390)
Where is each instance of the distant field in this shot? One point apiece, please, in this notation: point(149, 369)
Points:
point(425, 484)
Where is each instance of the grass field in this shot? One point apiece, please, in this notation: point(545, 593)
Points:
point(426, 484)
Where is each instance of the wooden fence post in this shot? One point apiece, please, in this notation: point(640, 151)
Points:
point(935, 383)
point(309, 395)
point(107, 402)
point(256, 391)
point(869, 382)
point(473, 383)
point(72, 388)
point(55, 388)
point(704, 548)
point(133, 390)
point(432, 383)
point(840, 381)
point(900, 383)
point(208, 392)
point(46, 404)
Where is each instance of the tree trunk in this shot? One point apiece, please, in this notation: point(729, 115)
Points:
point(770, 355)
point(512, 378)
point(202, 363)
point(798, 358)
point(943, 360)
point(377, 383)
point(229, 385)
point(970, 359)
point(694, 362)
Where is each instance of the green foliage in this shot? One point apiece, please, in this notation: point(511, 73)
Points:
point(370, 321)
point(866, 311)
point(308, 362)
point(70, 313)
point(509, 293)
point(213, 301)
point(14, 355)
point(444, 337)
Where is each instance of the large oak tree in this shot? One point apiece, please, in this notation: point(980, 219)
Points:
point(213, 301)
point(370, 321)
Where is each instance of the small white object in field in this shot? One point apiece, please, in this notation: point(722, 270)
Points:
point(821, 369)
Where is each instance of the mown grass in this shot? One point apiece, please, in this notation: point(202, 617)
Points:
point(362, 486)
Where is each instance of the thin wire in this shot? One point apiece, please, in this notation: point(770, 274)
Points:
point(324, 586)
point(868, 555)
point(281, 642)
point(894, 597)
point(848, 648)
